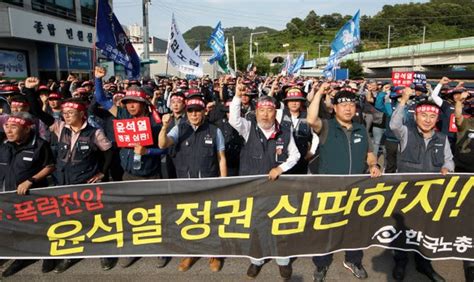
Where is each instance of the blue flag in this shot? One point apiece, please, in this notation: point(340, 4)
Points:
point(113, 42)
point(347, 38)
point(297, 65)
point(217, 43)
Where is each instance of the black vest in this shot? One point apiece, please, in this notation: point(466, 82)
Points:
point(340, 155)
point(420, 158)
point(78, 165)
point(195, 151)
point(233, 143)
point(302, 136)
point(464, 151)
point(259, 154)
point(18, 165)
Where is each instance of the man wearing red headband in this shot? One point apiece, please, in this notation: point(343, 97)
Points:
point(25, 162)
point(54, 105)
point(294, 116)
point(139, 162)
point(136, 106)
point(199, 152)
point(79, 147)
point(178, 115)
point(268, 149)
point(421, 149)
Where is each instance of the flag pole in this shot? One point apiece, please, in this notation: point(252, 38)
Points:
point(94, 50)
point(235, 56)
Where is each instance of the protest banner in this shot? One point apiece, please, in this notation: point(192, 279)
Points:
point(243, 216)
point(129, 132)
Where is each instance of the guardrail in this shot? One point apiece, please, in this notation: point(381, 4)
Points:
point(411, 50)
point(54, 10)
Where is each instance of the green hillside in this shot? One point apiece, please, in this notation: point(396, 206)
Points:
point(443, 20)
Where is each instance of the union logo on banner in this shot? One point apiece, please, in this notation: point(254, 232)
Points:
point(131, 132)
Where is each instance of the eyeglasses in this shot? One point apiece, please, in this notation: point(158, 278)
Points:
point(193, 111)
point(70, 113)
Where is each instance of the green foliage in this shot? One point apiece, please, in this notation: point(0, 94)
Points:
point(443, 20)
point(262, 63)
point(355, 68)
point(312, 23)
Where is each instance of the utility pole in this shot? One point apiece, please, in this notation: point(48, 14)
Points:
point(388, 40)
point(251, 43)
point(146, 55)
point(424, 33)
point(235, 56)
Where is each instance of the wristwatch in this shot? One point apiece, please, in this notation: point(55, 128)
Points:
point(32, 180)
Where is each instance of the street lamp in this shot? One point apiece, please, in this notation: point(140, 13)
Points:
point(319, 49)
point(388, 40)
point(251, 36)
point(256, 45)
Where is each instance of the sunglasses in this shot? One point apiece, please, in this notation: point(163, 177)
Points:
point(193, 110)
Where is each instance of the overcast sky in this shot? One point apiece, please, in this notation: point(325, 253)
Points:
point(250, 13)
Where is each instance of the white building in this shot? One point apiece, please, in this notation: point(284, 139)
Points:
point(135, 30)
point(49, 39)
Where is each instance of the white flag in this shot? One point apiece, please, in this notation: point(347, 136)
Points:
point(197, 50)
point(180, 55)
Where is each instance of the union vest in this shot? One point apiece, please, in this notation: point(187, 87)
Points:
point(340, 155)
point(17, 165)
point(78, 165)
point(420, 158)
point(259, 154)
point(302, 136)
point(233, 142)
point(195, 151)
point(464, 151)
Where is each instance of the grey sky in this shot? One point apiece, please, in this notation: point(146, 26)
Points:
point(250, 13)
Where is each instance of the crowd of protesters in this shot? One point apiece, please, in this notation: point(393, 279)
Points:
point(62, 133)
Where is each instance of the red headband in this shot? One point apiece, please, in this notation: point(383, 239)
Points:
point(19, 121)
point(136, 93)
point(294, 93)
point(77, 106)
point(265, 104)
point(54, 96)
point(19, 104)
point(427, 109)
point(196, 102)
point(177, 97)
point(80, 90)
point(348, 89)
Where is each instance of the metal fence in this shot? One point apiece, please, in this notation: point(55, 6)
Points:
point(411, 50)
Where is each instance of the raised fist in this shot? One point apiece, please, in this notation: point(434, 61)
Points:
point(165, 119)
point(71, 77)
point(407, 92)
point(99, 72)
point(31, 82)
point(444, 80)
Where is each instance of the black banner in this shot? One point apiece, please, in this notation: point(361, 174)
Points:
point(243, 216)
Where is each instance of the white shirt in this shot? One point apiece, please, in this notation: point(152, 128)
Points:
point(243, 128)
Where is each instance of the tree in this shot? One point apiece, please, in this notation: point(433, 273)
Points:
point(292, 29)
point(332, 21)
point(355, 68)
point(313, 24)
point(262, 63)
